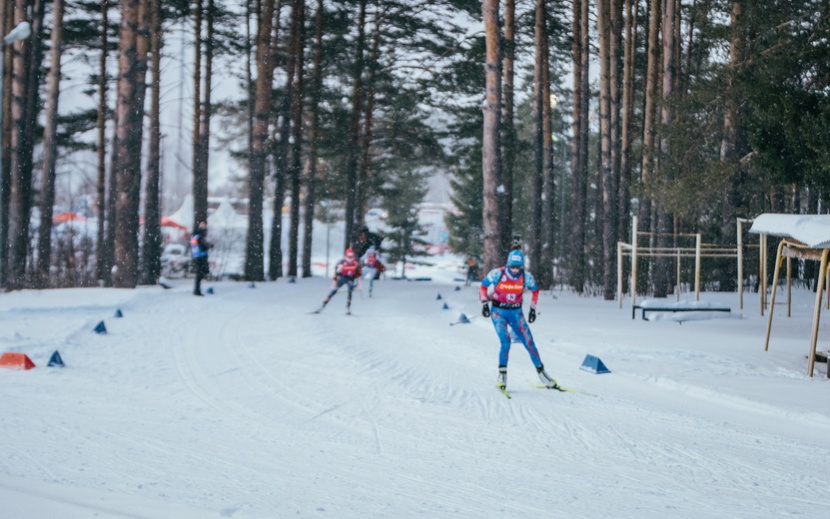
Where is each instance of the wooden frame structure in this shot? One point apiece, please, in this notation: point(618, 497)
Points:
point(802, 237)
point(790, 249)
point(699, 251)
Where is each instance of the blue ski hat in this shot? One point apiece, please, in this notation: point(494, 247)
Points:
point(515, 258)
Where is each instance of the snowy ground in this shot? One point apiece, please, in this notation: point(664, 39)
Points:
point(242, 404)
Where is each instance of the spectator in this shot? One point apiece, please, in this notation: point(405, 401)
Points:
point(199, 252)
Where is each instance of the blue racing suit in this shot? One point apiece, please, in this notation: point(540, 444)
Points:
point(507, 309)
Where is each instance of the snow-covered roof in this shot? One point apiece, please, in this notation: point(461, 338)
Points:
point(811, 230)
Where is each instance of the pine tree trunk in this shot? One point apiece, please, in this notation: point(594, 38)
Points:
point(298, 44)
point(490, 141)
point(608, 63)
point(112, 195)
point(354, 133)
point(314, 130)
point(647, 169)
point(509, 138)
point(50, 149)
point(541, 130)
point(629, 70)
point(151, 248)
point(200, 175)
point(250, 88)
point(729, 150)
point(545, 268)
point(199, 187)
point(282, 165)
point(665, 220)
point(736, 44)
point(275, 245)
point(34, 81)
point(254, 253)
point(20, 174)
point(604, 110)
point(25, 147)
point(128, 153)
point(577, 179)
point(5, 131)
point(101, 267)
point(363, 192)
point(581, 52)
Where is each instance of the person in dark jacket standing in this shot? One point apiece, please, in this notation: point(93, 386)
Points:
point(199, 252)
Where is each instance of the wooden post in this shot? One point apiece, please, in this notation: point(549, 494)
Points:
point(789, 286)
point(822, 277)
point(697, 267)
point(633, 261)
point(772, 298)
point(678, 275)
point(762, 277)
point(619, 272)
point(827, 289)
point(740, 264)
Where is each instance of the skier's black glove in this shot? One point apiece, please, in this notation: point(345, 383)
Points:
point(485, 310)
point(531, 316)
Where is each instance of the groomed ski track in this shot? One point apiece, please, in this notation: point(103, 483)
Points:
point(396, 414)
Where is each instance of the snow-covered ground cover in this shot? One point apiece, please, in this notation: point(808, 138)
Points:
point(242, 404)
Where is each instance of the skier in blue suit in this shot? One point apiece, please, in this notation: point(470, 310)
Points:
point(509, 283)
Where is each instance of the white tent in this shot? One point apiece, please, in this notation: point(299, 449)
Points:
point(803, 237)
point(227, 232)
point(225, 217)
point(184, 215)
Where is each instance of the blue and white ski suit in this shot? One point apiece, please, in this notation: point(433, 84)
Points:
point(507, 309)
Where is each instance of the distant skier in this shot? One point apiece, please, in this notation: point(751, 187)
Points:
point(509, 282)
point(199, 252)
point(372, 266)
point(346, 272)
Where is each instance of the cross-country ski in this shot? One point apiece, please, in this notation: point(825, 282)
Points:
point(562, 389)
